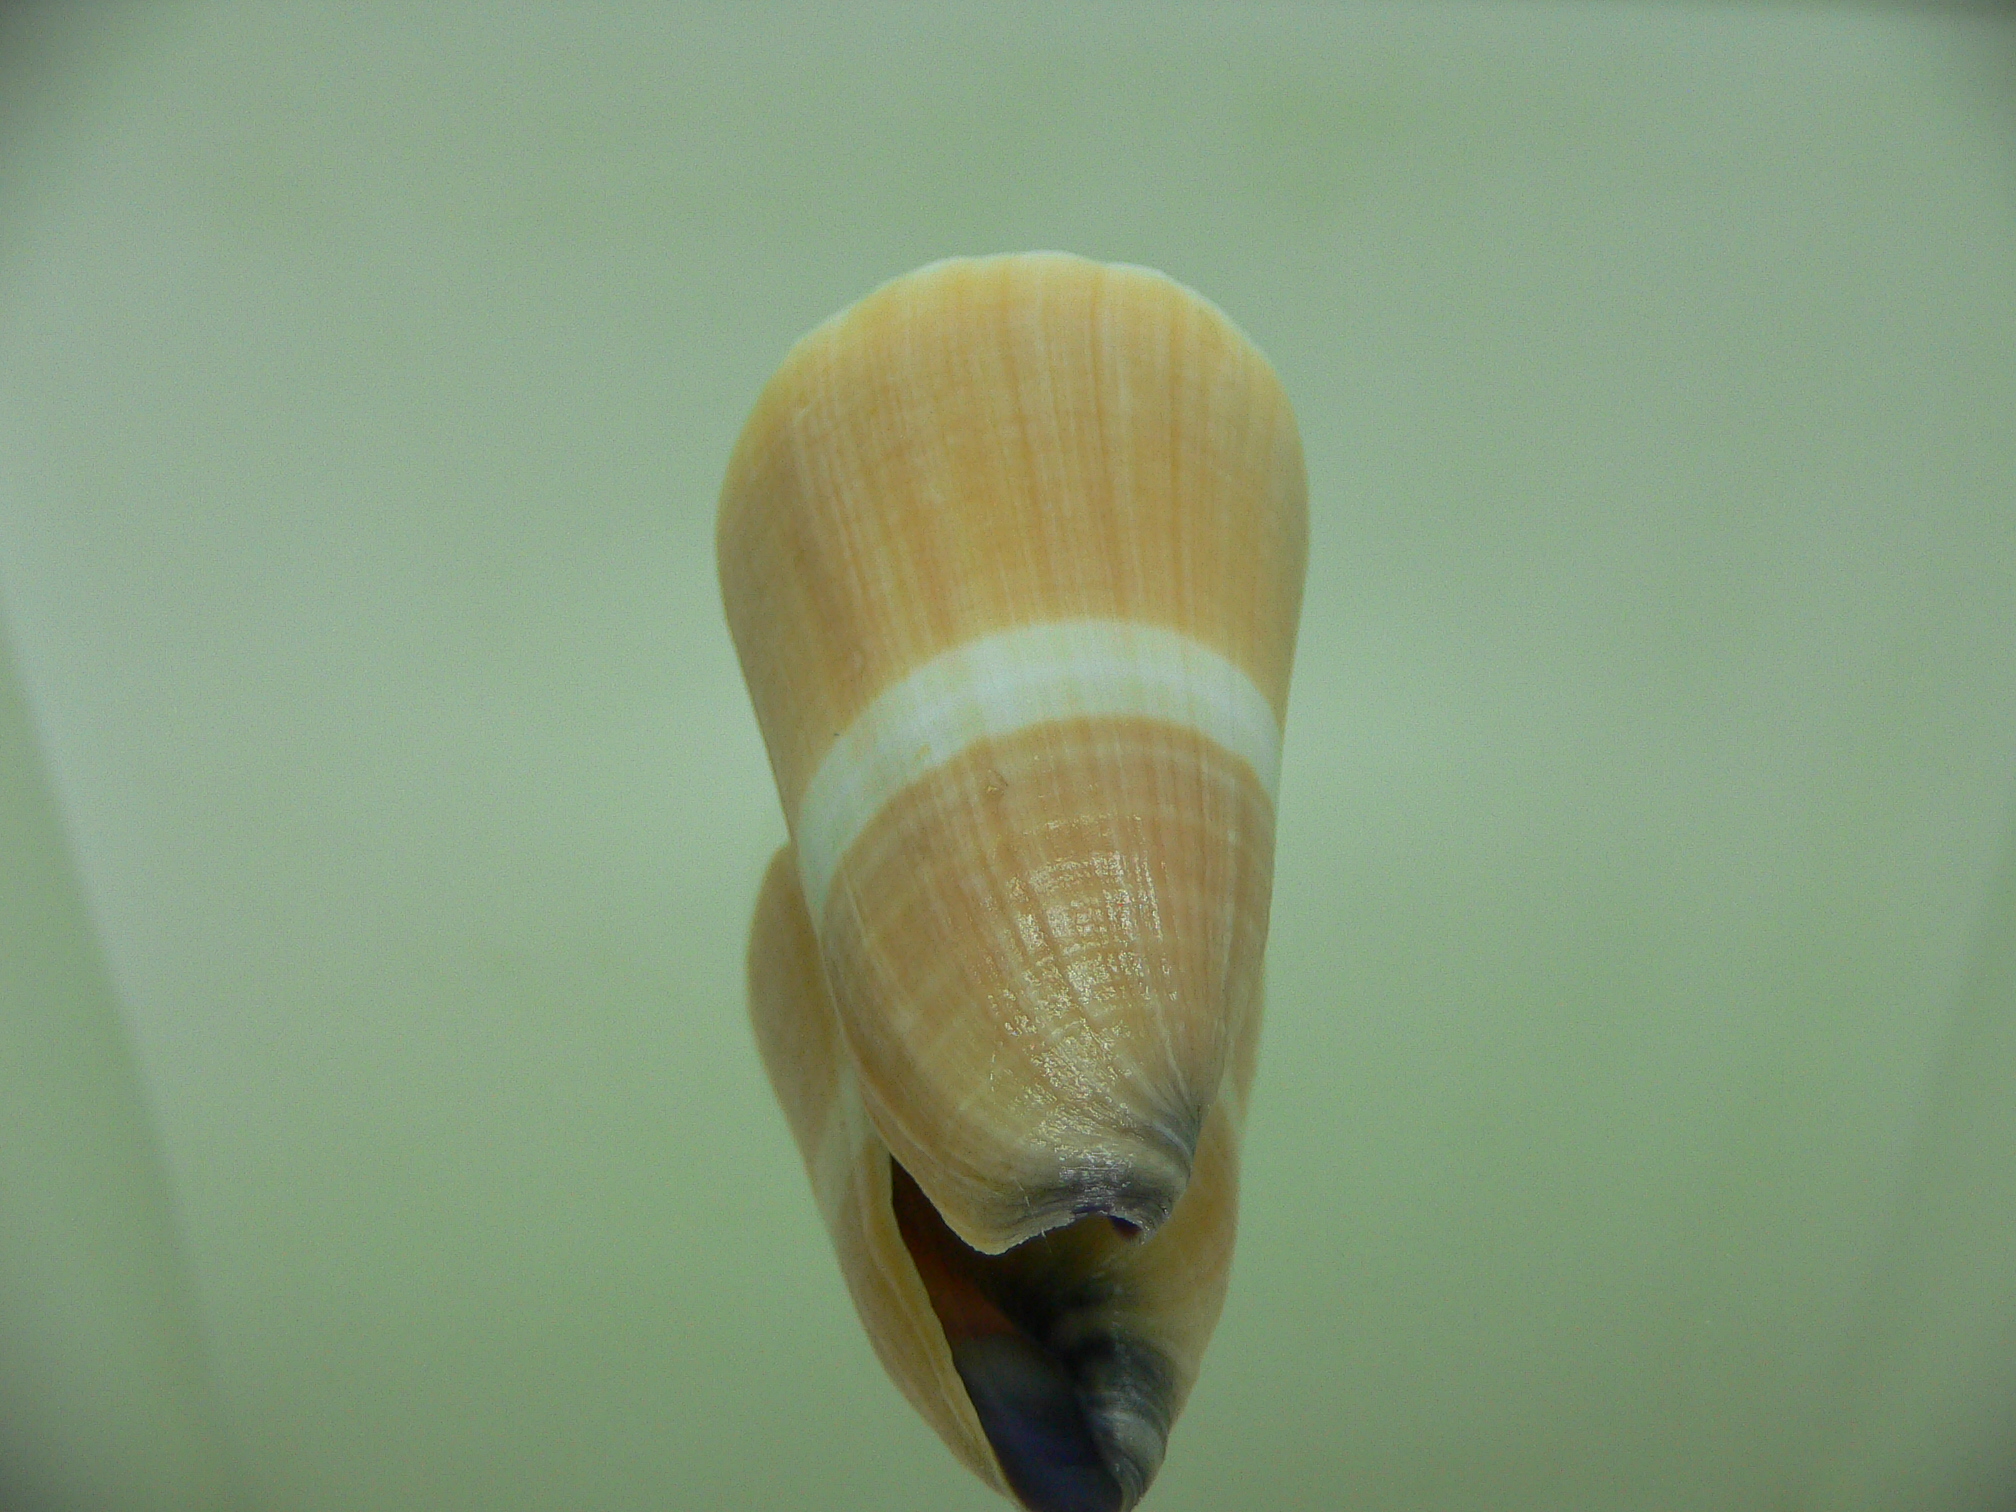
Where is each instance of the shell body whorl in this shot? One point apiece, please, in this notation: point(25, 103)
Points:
point(1012, 555)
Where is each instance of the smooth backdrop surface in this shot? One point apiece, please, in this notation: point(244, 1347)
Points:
point(1634, 1125)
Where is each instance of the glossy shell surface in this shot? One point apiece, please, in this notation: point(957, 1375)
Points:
point(1012, 555)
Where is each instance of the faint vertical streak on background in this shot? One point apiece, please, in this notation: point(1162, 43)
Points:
point(105, 1402)
point(1929, 1415)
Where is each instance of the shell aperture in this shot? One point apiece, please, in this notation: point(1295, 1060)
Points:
point(1012, 554)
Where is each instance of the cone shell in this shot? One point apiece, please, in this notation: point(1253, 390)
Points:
point(1012, 554)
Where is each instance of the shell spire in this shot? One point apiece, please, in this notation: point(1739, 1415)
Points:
point(1012, 554)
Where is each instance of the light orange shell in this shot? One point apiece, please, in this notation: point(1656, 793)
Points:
point(1012, 554)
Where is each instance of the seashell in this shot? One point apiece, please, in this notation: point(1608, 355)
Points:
point(1012, 554)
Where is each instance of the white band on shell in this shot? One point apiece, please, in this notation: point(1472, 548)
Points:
point(1000, 684)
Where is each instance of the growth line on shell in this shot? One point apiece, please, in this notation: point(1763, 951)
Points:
point(1000, 684)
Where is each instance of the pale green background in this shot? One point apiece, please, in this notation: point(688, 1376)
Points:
point(379, 1127)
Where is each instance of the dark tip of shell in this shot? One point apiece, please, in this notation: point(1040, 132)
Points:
point(1078, 1413)
point(1029, 1406)
point(1076, 1431)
